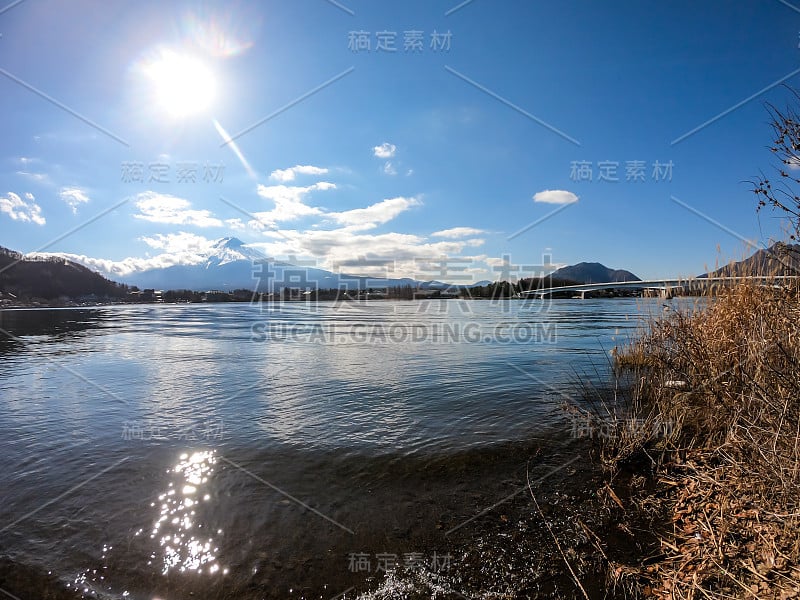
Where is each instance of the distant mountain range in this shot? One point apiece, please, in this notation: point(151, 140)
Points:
point(230, 264)
point(226, 265)
point(778, 259)
point(587, 272)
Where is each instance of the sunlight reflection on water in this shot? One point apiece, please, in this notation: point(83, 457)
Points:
point(182, 549)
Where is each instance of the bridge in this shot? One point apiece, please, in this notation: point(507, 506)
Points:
point(666, 288)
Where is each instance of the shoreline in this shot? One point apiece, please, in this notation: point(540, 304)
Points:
point(57, 305)
point(489, 554)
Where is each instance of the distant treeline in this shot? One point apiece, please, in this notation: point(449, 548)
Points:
point(496, 290)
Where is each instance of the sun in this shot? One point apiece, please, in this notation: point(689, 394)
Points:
point(181, 84)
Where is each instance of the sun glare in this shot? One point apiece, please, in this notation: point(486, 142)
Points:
point(182, 84)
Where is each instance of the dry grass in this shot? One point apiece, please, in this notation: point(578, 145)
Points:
point(725, 381)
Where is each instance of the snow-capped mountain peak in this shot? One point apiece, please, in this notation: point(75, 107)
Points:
point(231, 249)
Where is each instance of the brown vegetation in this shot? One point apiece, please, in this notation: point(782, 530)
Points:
point(716, 400)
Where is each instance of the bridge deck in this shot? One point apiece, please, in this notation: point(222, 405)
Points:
point(660, 284)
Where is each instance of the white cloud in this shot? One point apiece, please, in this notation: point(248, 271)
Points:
point(457, 232)
point(178, 249)
point(119, 269)
point(347, 250)
point(289, 203)
point(37, 177)
point(178, 242)
point(286, 175)
point(385, 150)
point(494, 261)
point(376, 214)
point(163, 208)
point(18, 209)
point(74, 197)
point(555, 197)
point(235, 224)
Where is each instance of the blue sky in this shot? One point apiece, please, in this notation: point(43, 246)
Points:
point(459, 150)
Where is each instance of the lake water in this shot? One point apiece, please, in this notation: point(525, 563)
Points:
point(229, 450)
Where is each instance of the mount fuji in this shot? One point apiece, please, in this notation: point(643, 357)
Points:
point(230, 264)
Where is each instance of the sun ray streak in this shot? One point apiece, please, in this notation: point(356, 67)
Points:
point(235, 148)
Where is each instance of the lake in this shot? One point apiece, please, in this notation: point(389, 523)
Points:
point(287, 450)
